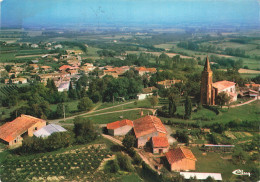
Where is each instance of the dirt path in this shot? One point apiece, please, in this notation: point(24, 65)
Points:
point(35, 55)
point(247, 102)
point(120, 143)
point(55, 121)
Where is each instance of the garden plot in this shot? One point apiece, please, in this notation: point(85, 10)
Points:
point(230, 135)
point(77, 164)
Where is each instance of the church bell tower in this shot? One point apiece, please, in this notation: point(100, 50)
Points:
point(206, 90)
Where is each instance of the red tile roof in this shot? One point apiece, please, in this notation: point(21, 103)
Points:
point(146, 69)
point(118, 124)
point(252, 85)
point(180, 153)
point(64, 67)
point(148, 124)
point(9, 131)
point(160, 142)
point(221, 85)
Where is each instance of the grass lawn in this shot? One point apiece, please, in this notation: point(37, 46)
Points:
point(130, 178)
point(111, 117)
point(71, 104)
point(212, 162)
point(140, 104)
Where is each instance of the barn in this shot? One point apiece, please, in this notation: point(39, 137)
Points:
point(120, 127)
point(147, 127)
point(181, 159)
point(12, 133)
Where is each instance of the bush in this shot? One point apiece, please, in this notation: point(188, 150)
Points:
point(137, 159)
point(53, 142)
point(84, 130)
point(124, 162)
point(112, 166)
point(129, 141)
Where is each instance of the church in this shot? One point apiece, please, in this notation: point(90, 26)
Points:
point(210, 90)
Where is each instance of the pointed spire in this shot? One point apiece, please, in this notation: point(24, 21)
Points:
point(207, 65)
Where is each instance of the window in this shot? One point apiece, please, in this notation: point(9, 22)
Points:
point(15, 141)
point(35, 128)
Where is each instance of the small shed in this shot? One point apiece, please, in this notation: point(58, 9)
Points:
point(160, 144)
point(48, 130)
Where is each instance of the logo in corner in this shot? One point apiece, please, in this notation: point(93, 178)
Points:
point(240, 172)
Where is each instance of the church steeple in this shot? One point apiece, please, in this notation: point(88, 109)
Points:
point(206, 89)
point(207, 65)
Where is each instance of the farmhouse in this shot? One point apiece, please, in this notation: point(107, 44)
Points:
point(144, 70)
point(120, 127)
point(181, 159)
point(48, 130)
point(209, 90)
point(253, 86)
point(146, 92)
point(168, 83)
point(160, 144)
point(147, 127)
point(13, 132)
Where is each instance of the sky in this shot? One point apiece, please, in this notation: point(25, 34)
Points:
point(23, 13)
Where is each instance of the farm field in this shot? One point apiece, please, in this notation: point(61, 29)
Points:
point(80, 162)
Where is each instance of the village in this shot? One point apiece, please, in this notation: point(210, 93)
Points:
point(160, 144)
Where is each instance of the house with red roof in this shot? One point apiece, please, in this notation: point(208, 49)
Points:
point(160, 144)
point(13, 132)
point(120, 127)
point(147, 127)
point(144, 70)
point(65, 67)
point(181, 159)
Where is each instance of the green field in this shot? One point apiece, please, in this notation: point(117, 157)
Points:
point(213, 163)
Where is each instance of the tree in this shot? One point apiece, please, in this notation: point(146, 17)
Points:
point(85, 104)
point(188, 108)
point(124, 162)
point(172, 104)
point(154, 101)
point(8, 68)
point(239, 155)
point(129, 141)
point(182, 136)
point(114, 167)
point(72, 92)
point(223, 98)
point(84, 130)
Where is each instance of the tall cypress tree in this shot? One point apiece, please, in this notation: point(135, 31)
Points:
point(172, 105)
point(188, 108)
point(72, 92)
